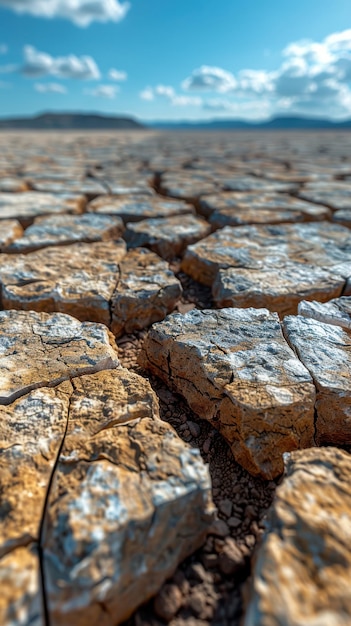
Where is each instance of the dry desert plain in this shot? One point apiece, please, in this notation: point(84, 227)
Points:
point(175, 385)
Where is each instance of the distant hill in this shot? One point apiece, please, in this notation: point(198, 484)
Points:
point(70, 121)
point(94, 121)
point(276, 123)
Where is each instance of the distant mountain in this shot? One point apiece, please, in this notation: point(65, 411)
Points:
point(70, 121)
point(94, 121)
point(276, 123)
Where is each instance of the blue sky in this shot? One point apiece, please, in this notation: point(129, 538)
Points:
point(176, 59)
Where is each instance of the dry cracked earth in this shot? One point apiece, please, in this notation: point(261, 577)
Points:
point(175, 397)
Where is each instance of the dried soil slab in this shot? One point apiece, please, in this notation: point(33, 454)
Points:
point(235, 369)
point(279, 290)
point(86, 187)
point(302, 570)
point(21, 599)
point(262, 247)
point(136, 209)
point(57, 230)
point(168, 237)
point(9, 231)
point(131, 184)
point(325, 350)
point(30, 204)
point(40, 350)
point(343, 216)
point(146, 292)
point(129, 501)
point(336, 312)
point(78, 279)
point(187, 186)
point(252, 183)
point(32, 429)
point(12, 184)
point(234, 209)
point(336, 195)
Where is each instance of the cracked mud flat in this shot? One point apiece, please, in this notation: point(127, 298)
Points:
point(81, 425)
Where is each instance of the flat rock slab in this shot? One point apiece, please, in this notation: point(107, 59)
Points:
point(336, 312)
point(302, 570)
point(186, 185)
point(252, 183)
point(343, 216)
point(25, 207)
point(78, 279)
point(12, 184)
point(129, 501)
point(336, 195)
point(9, 231)
point(146, 292)
point(57, 230)
point(325, 350)
point(132, 209)
point(235, 369)
point(87, 187)
point(280, 290)
point(275, 266)
point(168, 237)
point(235, 209)
point(86, 469)
point(40, 350)
point(96, 282)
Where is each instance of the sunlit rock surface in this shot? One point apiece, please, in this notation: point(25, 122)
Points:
point(235, 369)
point(167, 237)
point(235, 209)
point(336, 312)
point(9, 231)
point(128, 502)
point(336, 194)
point(134, 209)
point(302, 570)
point(102, 498)
point(78, 279)
point(25, 207)
point(325, 350)
point(146, 292)
point(281, 291)
point(66, 229)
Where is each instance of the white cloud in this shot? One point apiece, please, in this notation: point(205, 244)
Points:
point(117, 75)
point(165, 90)
point(314, 78)
point(208, 78)
point(80, 12)
point(147, 94)
point(186, 101)
point(103, 91)
point(3, 48)
point(50, 88)
point(43, 64)
point(168, 92)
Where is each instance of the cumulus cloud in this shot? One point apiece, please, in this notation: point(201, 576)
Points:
point(208, 78)
point(3, 48)
point(117, 75)
point(147, 94)
point(103, 91)
point(168, 92)
point(80, 12)
point(43, 64)
point(314, 78)
point(50, 88)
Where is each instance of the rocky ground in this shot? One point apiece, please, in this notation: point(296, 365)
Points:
point(175, 379)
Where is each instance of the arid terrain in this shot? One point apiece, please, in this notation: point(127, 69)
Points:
point(175, 388)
